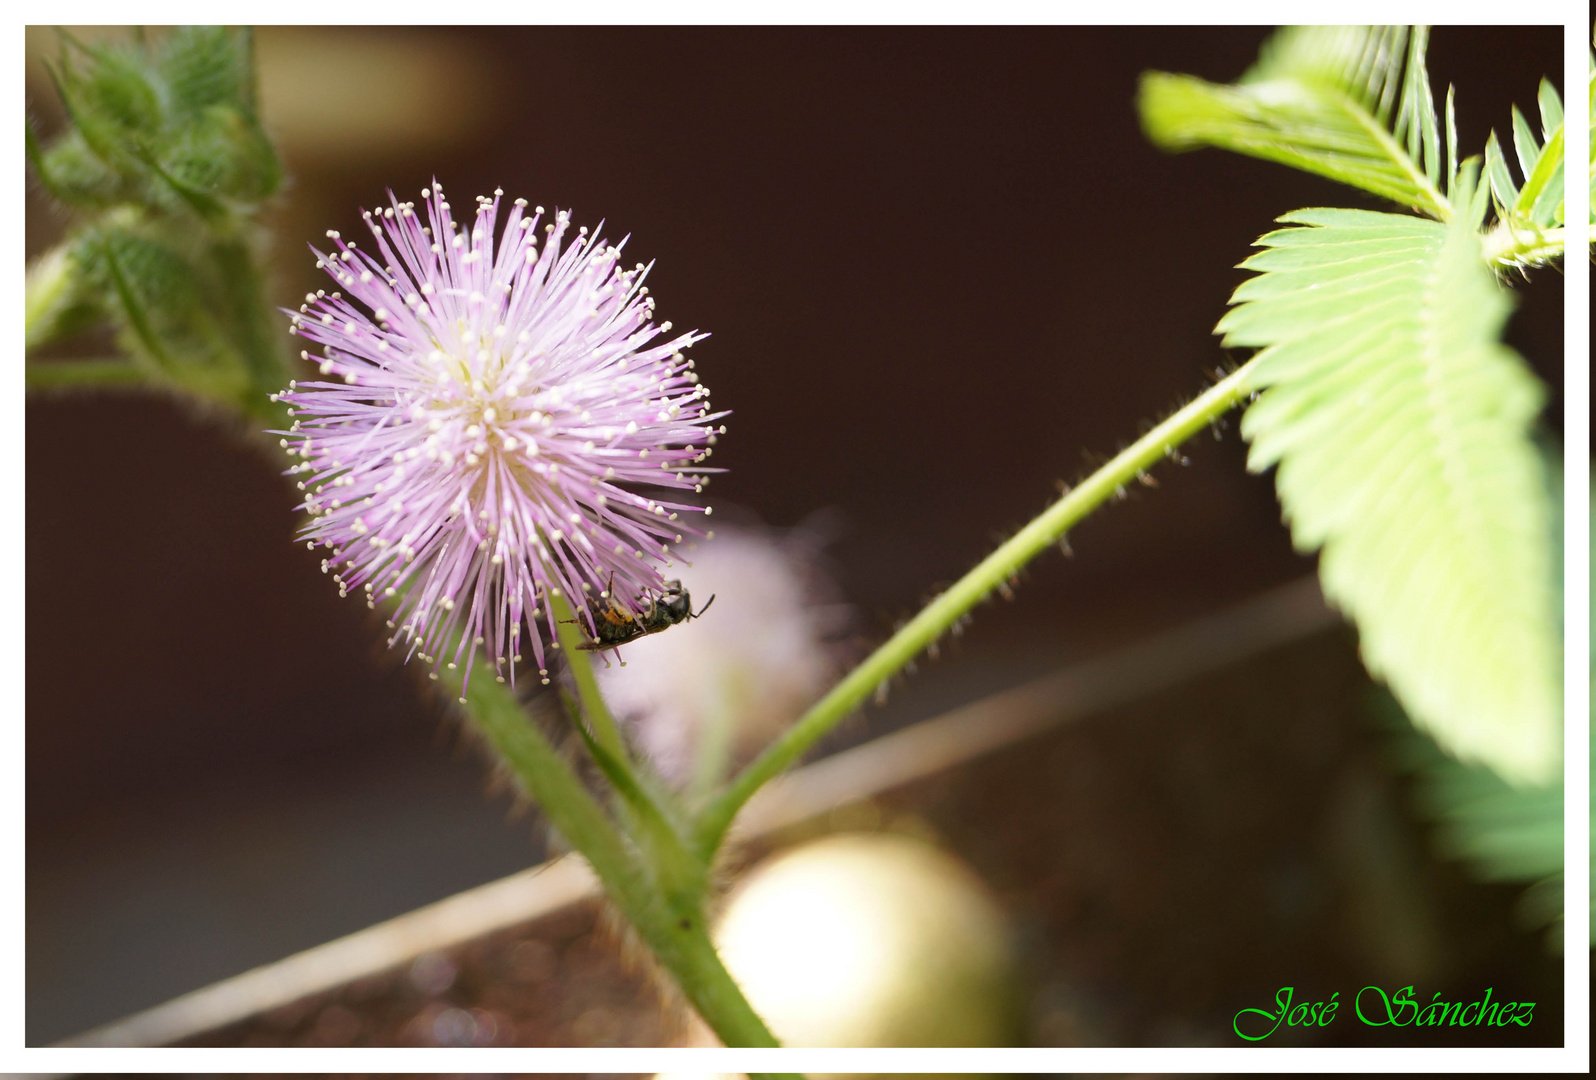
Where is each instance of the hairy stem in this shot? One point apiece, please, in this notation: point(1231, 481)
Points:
point(1506, 246)
point(571, 638)
point(645, 812)
point(682, 946)
point(673, 926)
point(938, 616)
point(256, 336)
point(546, 777)
point(654, 879)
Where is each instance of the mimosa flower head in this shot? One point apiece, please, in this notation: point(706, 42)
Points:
point(504, 424)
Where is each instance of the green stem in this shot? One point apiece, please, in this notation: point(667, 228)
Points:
point(1506, 246)
point(257, 335)
point(569, 632)
point(678, 875)
point(681, 944)
point(73, 374)
point(938, 616)
point(548, 779)
point(658, 885)
point(646, 813)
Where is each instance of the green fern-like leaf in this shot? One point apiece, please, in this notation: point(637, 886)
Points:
point(1321, 99)
point(1539, 202)
point(1498, 831)
point(1508, 833)
point(1400, 426)
point(1591, 168)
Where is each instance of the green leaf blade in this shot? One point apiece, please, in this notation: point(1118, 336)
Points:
point(1317, 100)
point(1399, 425)
point(1525, 144)
point(1418, 107)
point(1503, 190)
point(1451, 141)
point(1542, 195)
point(1551, 105)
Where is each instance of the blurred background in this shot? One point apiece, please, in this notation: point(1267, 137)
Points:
point(943, 271)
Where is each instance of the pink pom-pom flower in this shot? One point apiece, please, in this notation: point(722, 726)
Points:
point(503, 424)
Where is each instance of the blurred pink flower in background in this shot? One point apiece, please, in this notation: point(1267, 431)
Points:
point(712, 692)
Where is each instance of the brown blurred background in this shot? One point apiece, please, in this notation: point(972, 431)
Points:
point(942, 269)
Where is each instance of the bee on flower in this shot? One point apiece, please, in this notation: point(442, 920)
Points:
point(703, 699)
point(499, 423)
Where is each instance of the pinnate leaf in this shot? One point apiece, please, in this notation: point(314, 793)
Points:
point(1400, 427)
point(1320, 99)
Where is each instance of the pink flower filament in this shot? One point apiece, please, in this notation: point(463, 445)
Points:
point(500, 421)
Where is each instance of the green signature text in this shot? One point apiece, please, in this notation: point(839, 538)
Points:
point(1376, 1008)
